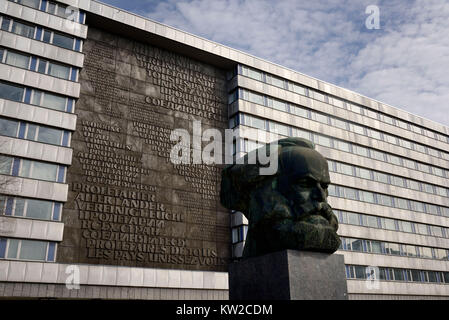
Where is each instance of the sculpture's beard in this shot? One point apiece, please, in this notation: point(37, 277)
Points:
point(314, 213)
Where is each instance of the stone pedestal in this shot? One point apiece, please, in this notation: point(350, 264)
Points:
point(289, 275)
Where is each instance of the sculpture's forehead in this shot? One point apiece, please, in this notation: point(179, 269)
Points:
point(304, 162)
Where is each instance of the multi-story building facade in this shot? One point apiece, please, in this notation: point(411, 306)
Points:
point(88, 97)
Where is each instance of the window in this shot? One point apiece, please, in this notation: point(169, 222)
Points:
point(354, 108)
point(402, 124)
point(425, 252)
point(366, 196)
point(343, 146)
point(434, 153)
point(376, 247)
point(345, 169)
point(339, 123)
point(363, 173)
point(417, 206)
point(279, 128)
point(361, 151)
point(275, 81)
point(409, 250)
point(440, 254)
point(381, 177)
point(390, 139)
point(318, 96)
point(5, 23)
point(393, 249)
point(279, 105)
point(377, 155)
point(357, 129)
point(49, 135)
point(398, 275)
point(387, 119)
point(301, 112)
point(17, 59)
point(8, 127)
point(371, 221)
point(254, 74)
point(406, 226)
point(409, 164)
point(356, 245)
point(5, 165)
point(424, 167)
point(29, 3)
point(44, 171)
point(351, 193)
point(298, 89)
point(405, 143)
point(353, 218)
point(22, 29)
point(394, 160)
point(416, 275)
point(320, 118)
point(385, 200)
point(63, 41)
point(432, 209)
point(337, 102)
point(29, 249)
point(389, 224)
point(11, 92)
point(398, 181)
point(360, 272)
point(436, 231)
point(53, 101)
point(301, 134)
point(58, 70)
point(432, 276)
point(421, 228)
point(401, 203)
point(324, 141)
point(420, 148)
point(374, 134)
point(414, 185)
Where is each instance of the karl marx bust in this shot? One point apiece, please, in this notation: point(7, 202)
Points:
point(287, 210)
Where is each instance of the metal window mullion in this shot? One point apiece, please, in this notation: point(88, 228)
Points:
point(25, 208)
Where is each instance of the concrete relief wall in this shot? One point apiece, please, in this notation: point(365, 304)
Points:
point(128, 204)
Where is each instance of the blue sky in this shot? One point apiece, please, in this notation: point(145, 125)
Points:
point(405, 63)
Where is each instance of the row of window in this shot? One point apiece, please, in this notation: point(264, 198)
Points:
point(21, 249)
point(36, 97)
point(323, 97)
point(34, 132)
point(369, 221)
point(390, 248)
point(396, 274)
point(41, 34)
point(55, 8)
point(386, 200)
point(36, 64)
point(33, 169)
point(30, 208)
point(327, 141)
point(239, 233)
point(337, 122)
point(390, 179)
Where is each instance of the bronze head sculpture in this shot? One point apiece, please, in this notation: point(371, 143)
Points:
point(287, 210)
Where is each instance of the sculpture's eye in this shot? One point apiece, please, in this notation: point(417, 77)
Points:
point(305, 182)
point(325, 186)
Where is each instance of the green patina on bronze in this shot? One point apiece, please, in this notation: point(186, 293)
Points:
point(287, 210)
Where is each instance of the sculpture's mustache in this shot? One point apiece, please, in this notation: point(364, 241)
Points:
point(313, 208)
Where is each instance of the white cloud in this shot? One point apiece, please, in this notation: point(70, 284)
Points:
point(404, 63)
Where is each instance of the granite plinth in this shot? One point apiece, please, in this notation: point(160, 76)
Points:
point(289, 275)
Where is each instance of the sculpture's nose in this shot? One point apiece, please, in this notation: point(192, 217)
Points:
point(318, 193)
